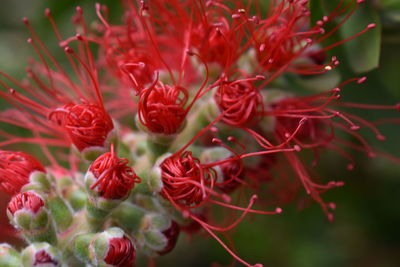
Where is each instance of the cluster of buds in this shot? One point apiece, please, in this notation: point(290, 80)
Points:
point(178, 114)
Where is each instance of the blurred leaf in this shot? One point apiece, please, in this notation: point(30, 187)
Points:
point(317, 11)
point(390, 4)
point(362, 52)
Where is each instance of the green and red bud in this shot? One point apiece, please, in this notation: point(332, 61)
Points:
point(106, 249)
point(9, 257)
point(41, 255)
point(27, 212)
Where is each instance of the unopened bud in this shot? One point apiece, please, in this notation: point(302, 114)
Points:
point(41, 255)
point(9, 257)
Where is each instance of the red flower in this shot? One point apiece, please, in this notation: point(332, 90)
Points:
point(115, 178)
point(15, 168)
point(185, 182)
point(240, 102)
point(162, 108)
point(121, 252)
point(86, 124)
point(51, 95)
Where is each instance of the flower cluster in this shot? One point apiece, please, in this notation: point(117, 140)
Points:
point(184, 109)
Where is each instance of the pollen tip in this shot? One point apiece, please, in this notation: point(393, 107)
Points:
point(380, 137)
point(398, 106)
point(330, 216)
point(216, 140)
point(339, 184)
point(12, 91)
point(25, 20)
point(79, 10)
point(79, 36)
point(236, 16)
point(47, 12)
point(332, 206)
point(360, 1)
point(371, 26)
point(214, 129)
point(29, 40)
point(226, 198)
point(278, 210)
point(350, 166)
point(68, 50)
point(260, 77)
point(297, 148)
point(371, 154)
point(361, 80)
point(354, 127)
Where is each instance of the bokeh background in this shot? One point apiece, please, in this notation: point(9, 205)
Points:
point(366, 231)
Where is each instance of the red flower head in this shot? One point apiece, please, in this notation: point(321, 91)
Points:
point(286, 35)
point(214, 42)
point(184, 180)
point(121, 252)
point(57, 108)
point(137, 49)
point(240, 102)
point(86, 124)
point(115, 178)
point(28, 201)
point(15, 168)
point(162, 108)
point(172, 234)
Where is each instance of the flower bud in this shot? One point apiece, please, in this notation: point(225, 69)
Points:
point(171, 234)
point(109, 248)
point(15, 170)
point(159, 234)
point(108, 182)
point(28, 213)
point(9, 257)
point(41, 255)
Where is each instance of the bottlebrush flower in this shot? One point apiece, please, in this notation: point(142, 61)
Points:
point(285, 40)
point(240, 102)
point(15, 170)
point(111, 177)
point(161, 108)
point(135, 50)
point(58, 109)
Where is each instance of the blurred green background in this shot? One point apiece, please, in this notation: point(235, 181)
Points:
point(367, 221)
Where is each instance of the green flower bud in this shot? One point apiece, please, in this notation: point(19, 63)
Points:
point(9, 257)
point(109, 248)
point(41, 255)
point(28, 213)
